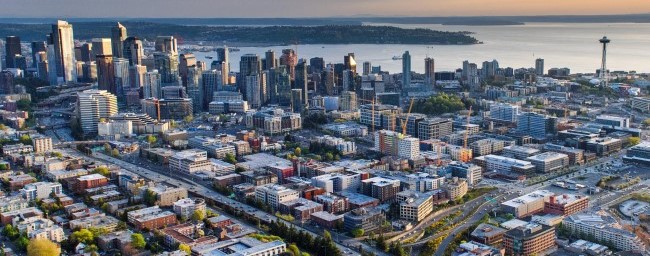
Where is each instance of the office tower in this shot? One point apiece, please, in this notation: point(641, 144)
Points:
point(42, 65)
point(347, 80)
point(64, 55)
point(86, 53)
point(350, 63)
point(408, 148)
point(222, 55)
point(12, 48)
point(539, 67)
point(296, 100)
point(302, 80)
point(271, 89)
point(289, 59)
point(253, 90)
point(122, 81)
point(504, 113)
point(92, 105)
point(316, 65)
point(20, 62)
point(88, 72)
point(187, 60)
point(489, 69)
point(133, 50)
point(429, 72)
point(6, 82)
point(167, 65)
point(348, 101)
point(283, 85)
point(603, 75)
point(102, 46)
point(536, 125)
point(51, 59)
point(367, 66)
point(338, 76)
point(173, 92)
point(269, 61)
point(470, 75)
point(194, 87)
point(118, 35)
point(166, 44)
point(136, 76)
point(328, 86)
point(37, 46)
point(152, 87)
point(211, 81)
point(106, 73)
point(406, 69)
point(249, 64)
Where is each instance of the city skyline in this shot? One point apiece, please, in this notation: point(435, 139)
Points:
point(302, 9)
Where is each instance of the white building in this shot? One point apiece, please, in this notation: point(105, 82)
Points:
point(343, 146)
point(549, 161)
point(337, 182)
point(41, 190)
point(190, 161)
point(504, 164)
point(115, 129)
point(41, 143)
point(186, 207)
point(528, 204)
point(38, 227)
point(93, 105)
point(604, 228)
point(408, 148)
point(274, 195)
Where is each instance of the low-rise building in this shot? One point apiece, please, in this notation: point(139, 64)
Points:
point(274, 195)
point(301, 208)
point(333, 204)
point(381, 188)
point(240, 246)
point(455, 188)
point(528, 204)
point(520, 152)
point(41, 190)
point(604, 146)
point(493, 163)
point(472, 173)
point(151, 218)
point(549, 161)
point(472, 248)
point(13, 203)
point(488, 235)
point(326, 220)
point(39, 228)
point(190, 161)
point(368, 220)
point(41, 143)
point(604, 228)
point(187, 206)
point(414, 206)
point(530, 239)
point(165, 195)
point(102, 221)
point(566, 204)
point(576, 156)
point(17, 149)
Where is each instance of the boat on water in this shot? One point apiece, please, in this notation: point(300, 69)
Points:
point(397, 57)
point(208, 57)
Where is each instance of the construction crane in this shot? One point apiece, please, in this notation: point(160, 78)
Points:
point(373, 102)
point(466, 153)
point(408, 114)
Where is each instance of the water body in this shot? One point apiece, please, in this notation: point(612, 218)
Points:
point(572, 45)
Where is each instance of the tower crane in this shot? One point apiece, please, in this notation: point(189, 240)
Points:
point(408, 114)
point(465, 155)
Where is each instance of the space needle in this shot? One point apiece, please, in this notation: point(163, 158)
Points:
point(603, 75)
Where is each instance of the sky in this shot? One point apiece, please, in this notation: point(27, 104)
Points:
point(311, 8)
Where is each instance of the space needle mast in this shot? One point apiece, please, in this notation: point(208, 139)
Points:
point(603, 75)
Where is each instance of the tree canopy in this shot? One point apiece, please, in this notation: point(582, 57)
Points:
point(42, 247)
point(439, 104)
point(137, 241)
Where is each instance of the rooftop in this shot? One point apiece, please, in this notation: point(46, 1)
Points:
point(527, 198)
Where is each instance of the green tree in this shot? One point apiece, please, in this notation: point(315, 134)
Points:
point(294, 250)
point(632, 141)
point(151, 139)
point(10, 232)
point(42, 247)
point(188, 119)
point(439, 104)
point(83, 236)
point(297, 151)
point(357, 232)
point(198, 215)
point(646, 122)
point(137, 241)
point(107, 148)
point(230, 158)
point(25, 139)
point(103, 170)
point(115, 152)
point(150, 197)
point(21, 243)
point(57, 154)
point(329, 156)
point(185, 248)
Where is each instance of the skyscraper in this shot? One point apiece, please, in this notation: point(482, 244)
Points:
point(122, 78)
point(37, 46)
point(283, 84)
point(210, 80)
point(106, 73)
point(249, 64)
point(194, 87)
point(222, 54)
point(118, 35)
point(6, 82)
point(64, 55)
point(289, 58)
point(253, 90)
point(316, 65)
point(302, 79)
point(367, 66)
point(102, 46)
point(167, 65)
point(429, 71)
point(152, 86)
point(137, 74)
point(269, 61)
point(85, 53)
point(187, 61)
point(406, 69)
point(296, 100)
point(539, 67)
point(12, 48)
point(133, 50)
point(350, 63)
point(93, 105)
point(166, 44)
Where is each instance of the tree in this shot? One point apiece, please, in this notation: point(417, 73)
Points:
point(188, 119)
point(107, 148)
point(3, 127)
point(297, 151)
point(103, 170)
point(230, 158)
point(357, 232)
point(10, 232)
point(22, 242)
point(632, 141)
point(137, 241)
point(151, 139)
point(57, 154)
point(115, 153)
point(185, 248)
point(294, 250)
point(25, 139)
point(646, 122)
point(439, 104)
point(198, 215)
point(150, 197)
point(329, 156)
point(83, 236)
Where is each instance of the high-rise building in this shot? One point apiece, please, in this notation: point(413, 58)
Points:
point(348, 101)
point(249, 64)
point(222, 55)
point(152, 87)
point(167, 65)
point(211, 81)
point(367, 67)
point(37, 46)
point(64, 54)
point(93, 105)
point(133, 50)
point(136, 74)
point(408, 148)
point(269, 60)
point(122, 77)
point(101, 46)
point(316, 65)
point(283, 85)
point(302, 80)
point(253, 90)
point(289, 58)
point(118, 35)
point(166, 44)
point(106, 73)
point(406, 69)
point(6, 82)
point(187, 60)
point(195, 88)
point(539, 67)
point(503, 112)
point(85, 53)
point(350, 63)
point(12, 48)
point(429, 71)
point(328, 85)
point(536, 125)
point(489, 68)
point(296, 100)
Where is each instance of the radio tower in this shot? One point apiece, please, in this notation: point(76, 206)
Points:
point(603, 75)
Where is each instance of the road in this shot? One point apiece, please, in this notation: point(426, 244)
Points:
point(201, 190)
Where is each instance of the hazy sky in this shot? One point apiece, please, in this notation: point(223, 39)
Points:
point(311, 8)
